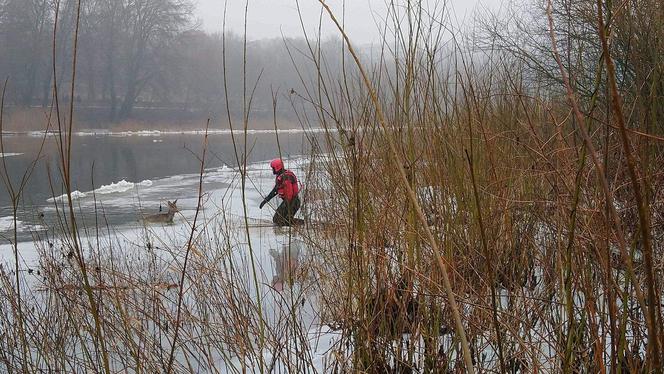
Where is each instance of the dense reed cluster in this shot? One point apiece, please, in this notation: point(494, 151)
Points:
point(539, 177)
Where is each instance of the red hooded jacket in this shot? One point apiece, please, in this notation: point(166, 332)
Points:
point(286, 185)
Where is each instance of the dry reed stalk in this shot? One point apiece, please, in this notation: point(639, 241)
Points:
point(411, 195)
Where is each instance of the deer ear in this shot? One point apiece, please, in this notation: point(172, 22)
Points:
point(175, 202)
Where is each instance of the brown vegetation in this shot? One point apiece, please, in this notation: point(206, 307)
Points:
point(492, 206)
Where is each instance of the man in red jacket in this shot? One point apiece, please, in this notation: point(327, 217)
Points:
point(287, 187)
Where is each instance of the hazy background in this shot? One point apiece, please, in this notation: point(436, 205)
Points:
point(271, 18)
point(158, 64)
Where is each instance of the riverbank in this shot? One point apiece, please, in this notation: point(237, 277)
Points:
point(167, 119)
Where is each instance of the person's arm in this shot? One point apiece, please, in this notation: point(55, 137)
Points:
point(269, 197)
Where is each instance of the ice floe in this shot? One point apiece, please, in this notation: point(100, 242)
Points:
point(74, 195)
point(9, 154)
point(7, 224)
point(121, 186)
point(116, 187)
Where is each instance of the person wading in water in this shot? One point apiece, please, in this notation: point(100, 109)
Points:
point(287, 187)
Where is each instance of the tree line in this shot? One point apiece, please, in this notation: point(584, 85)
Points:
point(149, 60)
point(635, 41)
point(144, 59)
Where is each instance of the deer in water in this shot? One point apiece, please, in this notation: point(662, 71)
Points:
point(166, 217)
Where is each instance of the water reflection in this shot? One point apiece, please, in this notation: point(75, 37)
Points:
point(287, 261)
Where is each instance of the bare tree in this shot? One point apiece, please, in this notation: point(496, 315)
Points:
point(152, 25)
point(24, 33)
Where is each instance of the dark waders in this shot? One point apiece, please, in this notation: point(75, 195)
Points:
point(286, 211)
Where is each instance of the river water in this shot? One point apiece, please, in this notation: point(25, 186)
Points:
point(125, 175)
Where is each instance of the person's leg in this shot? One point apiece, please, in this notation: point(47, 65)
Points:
point(286, 211)
point(295, 206)
point(281, 215)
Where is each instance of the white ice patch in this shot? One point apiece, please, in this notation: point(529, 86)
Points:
point(121, 186)
point(92, 132)
point(149, 133)
point(74, 195)
point(7, 224)
point(9, 154)
point(24, 227)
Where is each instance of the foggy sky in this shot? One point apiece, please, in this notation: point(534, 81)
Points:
point(272, 18)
